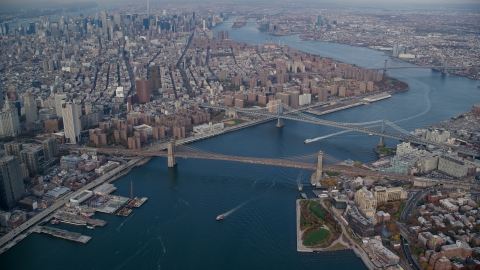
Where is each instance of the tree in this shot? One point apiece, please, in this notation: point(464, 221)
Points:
point(357, 164)
point(396, 237)
point(330, 181)
point(90, 144)
point(391, 227)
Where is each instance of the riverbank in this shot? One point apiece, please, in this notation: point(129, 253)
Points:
point(15, 236)
point(373, 48)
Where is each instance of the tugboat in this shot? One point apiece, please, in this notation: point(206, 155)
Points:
point(222, 216)
point(91, 227)
point(54, 221)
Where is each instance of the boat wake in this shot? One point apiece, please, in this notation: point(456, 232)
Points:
point(273, 184)
point(299, 184)
point(181, 200)
point(118, 229)
point(238, 207)
point(254, 183)
point(159, 266)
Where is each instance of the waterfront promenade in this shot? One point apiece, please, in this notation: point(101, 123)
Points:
point(6, 241)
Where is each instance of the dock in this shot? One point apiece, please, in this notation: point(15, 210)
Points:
point(72, 236)
point(137, 202)
point(124, 212)
point(317, 112)
point(79, 220)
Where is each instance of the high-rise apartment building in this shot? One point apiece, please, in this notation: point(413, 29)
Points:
point(11, 182)
point(13, 149)
point(71, 122)
point(50, 148)
point(30, 108)
point(59, 100)
point(143, 91)
point(285, 98)
point(30, 158)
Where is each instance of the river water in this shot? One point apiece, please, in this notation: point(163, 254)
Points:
point(176, 228)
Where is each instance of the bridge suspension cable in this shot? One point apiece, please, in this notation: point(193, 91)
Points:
point(302, 114)
point(298, 158)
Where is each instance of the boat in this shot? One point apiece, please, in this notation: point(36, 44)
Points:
point(73, 222)
point(222, 216)
point(54, 222)
point(370, 134)
point(90, 227)
point(300, 188)
point(87, 215)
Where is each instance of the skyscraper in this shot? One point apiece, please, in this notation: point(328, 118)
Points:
point(319, 20)
point(9, 121)
point(71, 122)
point(103, 18)
point(59, 100)
point(148, 8)
point(11, 182)
point(395, 50)
point(50, 148)
point(143, 90)
point(30, 108)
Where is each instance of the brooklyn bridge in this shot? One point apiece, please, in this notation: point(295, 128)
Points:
point(313, 161)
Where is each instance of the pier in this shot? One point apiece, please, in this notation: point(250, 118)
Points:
point(79, 220)
point(72, 236)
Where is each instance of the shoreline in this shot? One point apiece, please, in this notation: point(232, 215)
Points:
point(358, 46)
point(12, 240)
point(368, 47)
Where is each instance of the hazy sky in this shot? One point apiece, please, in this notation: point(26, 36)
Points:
point(383, 2)
point(238, 1)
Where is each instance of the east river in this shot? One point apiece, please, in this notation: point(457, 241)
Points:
point(176, 228)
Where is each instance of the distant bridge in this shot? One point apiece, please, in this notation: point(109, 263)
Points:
point(444, 68)
point(285, 112)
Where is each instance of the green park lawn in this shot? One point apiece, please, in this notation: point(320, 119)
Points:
point(315, 237)
point(317, 210)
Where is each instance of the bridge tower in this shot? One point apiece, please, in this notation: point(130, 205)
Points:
point(444, 67)
point(382, 142)
point(280, 112)
point(172, 161)
point(319, 171)
point(385, 70)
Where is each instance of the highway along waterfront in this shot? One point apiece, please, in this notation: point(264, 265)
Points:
point(177, 227)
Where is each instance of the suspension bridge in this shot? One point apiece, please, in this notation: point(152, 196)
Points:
point(313, 161)
point(443, 68)
point(282, 111)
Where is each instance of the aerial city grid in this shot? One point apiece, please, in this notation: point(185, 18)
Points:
point(233, 135)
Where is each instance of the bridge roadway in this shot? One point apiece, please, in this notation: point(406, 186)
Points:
point(345, 169)
point(318, 121)
point(437, 67)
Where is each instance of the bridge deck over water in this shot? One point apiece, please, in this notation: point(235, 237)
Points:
point(344, 169)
